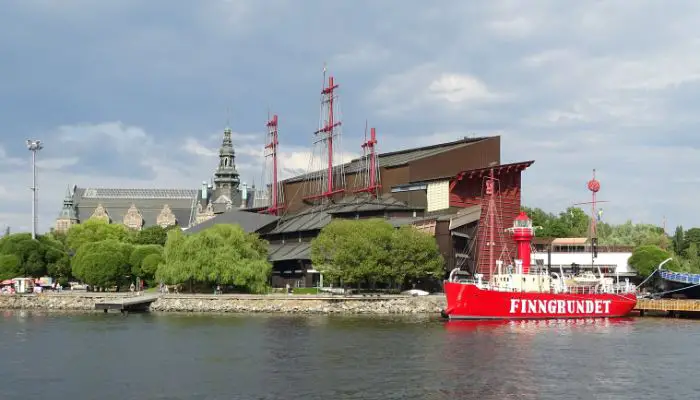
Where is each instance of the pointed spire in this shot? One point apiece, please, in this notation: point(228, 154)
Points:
point(226, 177)
point(227, 143)
point(68, 210)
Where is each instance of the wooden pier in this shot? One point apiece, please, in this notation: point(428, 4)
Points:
point(672, 307)
point(126, 304)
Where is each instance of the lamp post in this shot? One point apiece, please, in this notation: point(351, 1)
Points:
point(34, 146)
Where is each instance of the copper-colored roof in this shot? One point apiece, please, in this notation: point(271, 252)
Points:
point(397, 158)
point(569, 241)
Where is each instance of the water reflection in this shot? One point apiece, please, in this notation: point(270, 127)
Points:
point(184, 356)
point(532, 327)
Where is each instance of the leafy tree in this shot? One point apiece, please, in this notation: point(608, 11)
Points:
point(575, 221)
point(629, 234)
point(372, 251)
point(103, 264)
point(354, 251)
point(692, 235)
point(150, 264)
point(56, 257)
point(222, 254)
point(691, 260)
point(28, 251)
point(567, 224)
point(679, 240)
point(139, 254)
point(414, 255)
point(95, 230)
point(645, 259)
point(9, 266)
point(153, 235)
point(36, 257)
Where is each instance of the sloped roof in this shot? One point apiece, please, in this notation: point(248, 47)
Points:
point(397, 158)
point(249, 221)
point(149, 202)
point(290, 251)
point(319, 216)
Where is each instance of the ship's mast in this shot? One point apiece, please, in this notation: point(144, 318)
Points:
point(491, 241)
point(492, 223)
point(594, 187)
point(328, 134)
point(276, 198)
point(371, 181)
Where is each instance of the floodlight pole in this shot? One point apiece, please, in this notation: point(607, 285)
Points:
point(34, 146)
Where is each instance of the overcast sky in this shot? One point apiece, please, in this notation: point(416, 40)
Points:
point(136, 93)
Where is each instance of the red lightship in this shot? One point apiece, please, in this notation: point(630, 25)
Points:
point(521, 292)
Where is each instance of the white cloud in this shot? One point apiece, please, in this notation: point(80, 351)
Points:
point(426, 86)
point(574, 85)
point(459, 88)
point(193, 147)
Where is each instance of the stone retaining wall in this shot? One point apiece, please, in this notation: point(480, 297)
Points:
point(240, 304)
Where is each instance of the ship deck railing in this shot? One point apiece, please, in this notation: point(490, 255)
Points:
point(681, 277)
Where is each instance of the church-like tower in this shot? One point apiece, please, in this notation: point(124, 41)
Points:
point(226, 179)
point(68, 216)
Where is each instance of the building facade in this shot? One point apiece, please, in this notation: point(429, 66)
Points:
point(140, 208)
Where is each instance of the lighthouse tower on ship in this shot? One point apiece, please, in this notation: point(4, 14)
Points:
point(523, 232)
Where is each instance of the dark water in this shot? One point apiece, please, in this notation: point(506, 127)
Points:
point(152, 356)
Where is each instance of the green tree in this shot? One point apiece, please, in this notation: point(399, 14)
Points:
point(9, 266)
point(629, 234)
point(690, 262)
point(355, 252)
point(692, 235)
point(36, 257)
point(103, 264)
point(575, 221)
point(645, 259)
point(153, 235)
point(95, 230)
point(139, 254)
point(679, 240)
point(223, 254)
point(371, 251)
point(150, 264)
point(414, 255)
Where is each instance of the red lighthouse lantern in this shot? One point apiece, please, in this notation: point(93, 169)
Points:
point(523, 232)
point(594, 185)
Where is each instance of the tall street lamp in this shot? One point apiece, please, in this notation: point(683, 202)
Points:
point(34, 146)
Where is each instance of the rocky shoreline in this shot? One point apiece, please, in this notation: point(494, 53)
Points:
point(311, 304)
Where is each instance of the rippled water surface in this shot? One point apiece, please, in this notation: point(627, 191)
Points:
point(178, 356)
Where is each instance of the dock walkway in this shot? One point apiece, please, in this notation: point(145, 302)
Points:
point(671, 306)
point(126, 304)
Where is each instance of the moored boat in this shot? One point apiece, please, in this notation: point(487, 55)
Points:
point(520, 292)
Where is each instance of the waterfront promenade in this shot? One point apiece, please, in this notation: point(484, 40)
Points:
point(242, 303)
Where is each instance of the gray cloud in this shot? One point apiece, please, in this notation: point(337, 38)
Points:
point(574, 85)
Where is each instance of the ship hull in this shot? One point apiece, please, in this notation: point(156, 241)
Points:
point(468, 301)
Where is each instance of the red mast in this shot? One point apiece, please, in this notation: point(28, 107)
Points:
point(370, 155)
point(276, 202)
point(327, 132)
point(490, 192)
point(594, 187)
point(492, 246)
